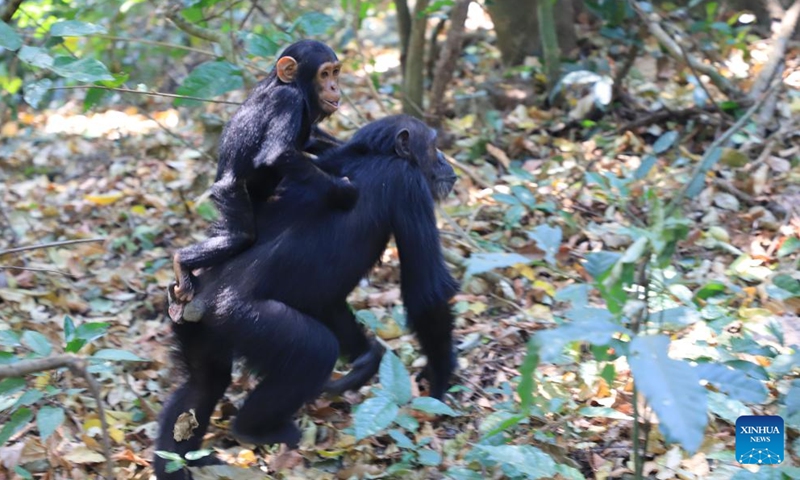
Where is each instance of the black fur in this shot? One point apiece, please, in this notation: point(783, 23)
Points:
point(262, 144)
point(282, 304)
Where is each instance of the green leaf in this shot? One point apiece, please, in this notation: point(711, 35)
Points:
point(74, 28)
point(9, 38)
point(23, 473)
point(28, 398)
point(69, 329)
point(400, 439)
point(48, 419)
point(374, 415)
point(35, 56)
point(265, 45)
point(17, 422)
point(484, 262)
point(198, 454)
point(432, 406)
point(394, 378)
point(664, 142)
point(672, 387)
point(604, 412)
point(429, 458)
point(735, 383)
point(209, 80)
point(9, 338)
point(117, 355)
point(788, 283)
point(726, 408)
point(314, 23)
point(75, 345)
point(524, 195)
point(593, 325)
point(791, 245)
point(91, 331)
point(648, 161)
point(599, 263)
point(11, 385)
point(526, 370)
point(83, 70)
point(174, 465)
point(462, 473)
point(547, 239)
point(525, 460)
point(169, 456)
point(37, 342)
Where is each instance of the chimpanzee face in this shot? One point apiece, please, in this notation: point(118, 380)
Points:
point(327, 86)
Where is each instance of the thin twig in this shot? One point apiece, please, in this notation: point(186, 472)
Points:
point(140, 92)
point(77, 366)
point(156, 43)
point(468, 170)
point(705, 163)
point(33, 269)
point(50, 245)
point(457, 228)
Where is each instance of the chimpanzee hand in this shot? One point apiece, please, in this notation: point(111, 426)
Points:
point(343, 195)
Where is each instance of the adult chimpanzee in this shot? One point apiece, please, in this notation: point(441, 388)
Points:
point(263, 143)
point(282, 304)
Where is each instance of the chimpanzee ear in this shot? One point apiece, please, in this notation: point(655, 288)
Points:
point(287, 69)
point(402, 143)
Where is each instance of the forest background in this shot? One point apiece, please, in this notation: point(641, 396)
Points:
point(626, 230)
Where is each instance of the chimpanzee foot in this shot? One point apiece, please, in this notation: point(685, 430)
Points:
point(286, 433)
point(363, 369)
point(179, 312)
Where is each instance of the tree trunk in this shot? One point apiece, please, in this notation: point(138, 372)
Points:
point(403, 28)
point(413, 81)
point(516, 25)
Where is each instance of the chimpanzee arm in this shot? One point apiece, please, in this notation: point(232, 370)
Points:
point(279, 150)
point(426, 284)
point(320, 141)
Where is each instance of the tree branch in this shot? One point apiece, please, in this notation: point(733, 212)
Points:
point(49, 245)
point(77, 366)
point(447, 61)
point(140, 92)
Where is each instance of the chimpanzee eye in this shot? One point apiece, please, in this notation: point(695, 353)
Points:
point(324, 74)
point(336, 73)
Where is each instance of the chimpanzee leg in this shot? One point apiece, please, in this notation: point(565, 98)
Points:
point(234, 233)
point(365, 353)
point(209, 367)
point(295, 355)
point(434, 331)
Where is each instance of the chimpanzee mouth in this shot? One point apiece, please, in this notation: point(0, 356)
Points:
point(334, 104)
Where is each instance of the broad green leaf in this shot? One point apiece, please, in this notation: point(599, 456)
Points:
point(791, 245)
point(726, 408)
point(48, 419)
point(735, 383)
point(374, 415)
point(524, 195)
point(648, 161)
point(9, 338)
point(314, 23)
point(432, 406)
point(484, 262)
point(394, 378)
point(525, 460)
point(9, 38)
point(593, 325)
point(36, 342)
point(577, 294)
point(91, 331)
point(69, 329)
point(429, 458)
point(209, 80)
point(708, 161)
point(198, 454)
point(28, 398)
point(83, 70)
point(605, 412)
point(117, 355)
point(35, 56)
point(664, 142)
point(788, 283)
point(400, 439)
point(599, 263)
point(169, 456)
point(17, 422)
point(174, 465)
point(11, 385)
point(408, 422)
point(462, 473)
point(548, 239)
point(75, 28)
point(672, 387)
point(265, 45)
point(526, 370)
point(23, 473)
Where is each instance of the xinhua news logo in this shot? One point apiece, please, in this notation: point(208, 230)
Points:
point(759, 439)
